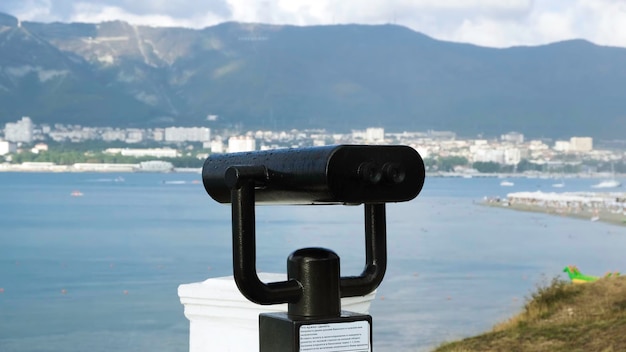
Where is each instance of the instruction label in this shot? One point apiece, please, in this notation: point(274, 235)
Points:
point(336, 337)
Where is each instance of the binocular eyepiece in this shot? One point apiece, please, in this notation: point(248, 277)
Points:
point(339, 174)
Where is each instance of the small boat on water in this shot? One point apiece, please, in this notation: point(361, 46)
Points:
point(507, 184)
point(608, 184)
point(560, 184)
point(76, 194)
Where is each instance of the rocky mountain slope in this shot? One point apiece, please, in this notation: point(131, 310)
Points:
point(337, 77)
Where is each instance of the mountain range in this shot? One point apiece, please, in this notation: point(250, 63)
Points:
point(337, 77)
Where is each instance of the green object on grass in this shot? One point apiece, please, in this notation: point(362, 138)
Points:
point(579, 278)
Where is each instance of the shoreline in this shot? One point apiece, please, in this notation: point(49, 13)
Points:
point(132, 168)
point(90, 167)
point(601, 215)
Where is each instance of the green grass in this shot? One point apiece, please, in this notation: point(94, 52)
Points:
point(560, 316)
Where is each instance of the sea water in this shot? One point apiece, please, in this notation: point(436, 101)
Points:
point(99, 271)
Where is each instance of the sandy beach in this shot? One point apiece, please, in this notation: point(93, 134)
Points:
point(607, 208)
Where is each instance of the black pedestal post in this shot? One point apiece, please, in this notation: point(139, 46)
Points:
point(315, 322)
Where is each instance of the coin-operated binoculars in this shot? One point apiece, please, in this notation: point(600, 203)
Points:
point(343, 174)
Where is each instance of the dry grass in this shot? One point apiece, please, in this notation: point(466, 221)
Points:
point(560, 316)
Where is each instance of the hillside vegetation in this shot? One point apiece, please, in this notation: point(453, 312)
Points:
point(560, 317)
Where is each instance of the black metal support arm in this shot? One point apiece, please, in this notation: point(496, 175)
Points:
point(375, 254)
point(243, 180)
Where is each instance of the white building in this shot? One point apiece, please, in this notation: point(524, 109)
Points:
point(217, 146)
point(513, 137)
point(581, 144)
point(357, 135)
point(375, 135)
point(535, 145)
point(158, 134)
point(370, 135)
point(39, 147)
point(489, 155)
point(512, 156)
point(6, 147)
point(562, 146)
point(20, 131)
point(187, 134)
point(241, 144)
point(134, 135)
point(113, 135)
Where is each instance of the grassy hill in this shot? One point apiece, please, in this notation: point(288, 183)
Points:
point(560, 317)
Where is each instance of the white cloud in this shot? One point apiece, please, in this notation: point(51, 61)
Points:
point(600, 21)
point(29, 9)
point(470, 6)
point(604, 21)
point(552, 26)
point(539, 27)
point(84, 12)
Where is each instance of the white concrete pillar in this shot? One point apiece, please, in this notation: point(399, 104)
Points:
point(222, 319)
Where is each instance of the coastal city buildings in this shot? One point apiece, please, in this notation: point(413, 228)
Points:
point(509, 149)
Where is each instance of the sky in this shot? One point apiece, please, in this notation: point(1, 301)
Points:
point(493, 23)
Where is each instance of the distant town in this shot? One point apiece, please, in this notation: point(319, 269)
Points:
point(26, 146)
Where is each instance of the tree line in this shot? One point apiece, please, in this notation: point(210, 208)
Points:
point(451, 163)
point(69, 157)
point(62, 154)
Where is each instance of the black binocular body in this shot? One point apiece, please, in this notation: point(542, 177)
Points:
point(339, 174)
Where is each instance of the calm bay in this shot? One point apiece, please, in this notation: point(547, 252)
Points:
point(99, 271)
